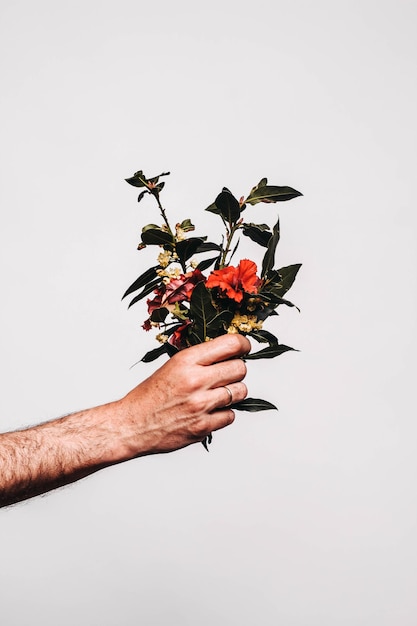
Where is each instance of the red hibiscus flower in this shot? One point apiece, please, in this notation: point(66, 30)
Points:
point(235, 281)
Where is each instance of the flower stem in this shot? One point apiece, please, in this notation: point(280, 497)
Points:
point(230, 231)
point(162, 210)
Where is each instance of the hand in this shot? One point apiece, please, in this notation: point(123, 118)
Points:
point(185, 400)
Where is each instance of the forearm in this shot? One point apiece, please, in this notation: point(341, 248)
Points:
point(56, 453)
point(179, 404)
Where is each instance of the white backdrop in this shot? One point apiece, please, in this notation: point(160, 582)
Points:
point(302, 517)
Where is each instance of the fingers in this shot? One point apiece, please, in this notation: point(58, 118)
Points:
point(226, 372)
point(224, 416)
point(222, 397)
point(219, 349)
point(222, 419)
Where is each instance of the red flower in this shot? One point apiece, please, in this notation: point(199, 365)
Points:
point(235, 281)
point(177, 290)
point(180, 289)
point(177, 338)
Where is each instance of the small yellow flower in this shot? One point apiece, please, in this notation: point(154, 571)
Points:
point(164, 258)
point(162, 338)
point(179, 233)
point(244, 324)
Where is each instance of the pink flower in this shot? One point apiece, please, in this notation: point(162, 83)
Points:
point(177, 290)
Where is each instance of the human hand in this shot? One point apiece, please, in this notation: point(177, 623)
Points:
point(184, 400)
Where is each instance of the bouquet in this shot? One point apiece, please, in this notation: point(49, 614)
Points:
point(191, 300)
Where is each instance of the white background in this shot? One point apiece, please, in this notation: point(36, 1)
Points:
point(303, 517)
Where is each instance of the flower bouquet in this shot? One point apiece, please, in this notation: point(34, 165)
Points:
point(192, 300)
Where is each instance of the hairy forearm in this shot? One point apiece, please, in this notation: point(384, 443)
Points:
point(179, 404)
point(56, 453)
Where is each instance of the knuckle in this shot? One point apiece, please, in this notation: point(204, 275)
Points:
point(230, 417)
point(197, 407)
point(244, 391)
point(201, 428)
point(241, 368)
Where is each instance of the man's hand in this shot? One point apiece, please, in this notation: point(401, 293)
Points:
point(180, 404)
point(185, 399)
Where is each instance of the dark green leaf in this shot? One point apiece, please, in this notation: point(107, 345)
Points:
point(259, 233)
point(271, 193)
point(208, 246)
point(187, 247)
point(287, 277)
point(253, 405)
point(277, 300)
point(142, 280)
point(172, 329)
point(187, 226)
point(269, 257)
point(264, 313)
point(137, 180)
point(141, 195)
point(154, 354)
point(207, 321)
point(159, 315)
point(213, 209)
point(203, 265)
point(207, 441)
point(228, 206)
point(262, 183)
point(170, 349)
point(148, 289)
point(263, 336)
point(268, 353)
point(151, 227)
point(156, 236)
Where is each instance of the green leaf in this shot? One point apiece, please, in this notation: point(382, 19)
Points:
point(187, 226)
point(142, 280)
point(137, 180)
point(263, 336)
point(154, 354)
point(268, 353)
point(271, 193)
point(262, 183)
point(203, 265)
point(275, 300)
point(148, 289)
point(259, 233)
point(213, 209)
point(228, 206)
point(156, 236)
point(207, 321)
point(208, 246)
point(187, 247)
point(170, 349)
point(264, 313)
point(269, 257)
point(151, 227)
point(253, 405)
point(287, 277)
point(159, 315)
point(142, 194)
